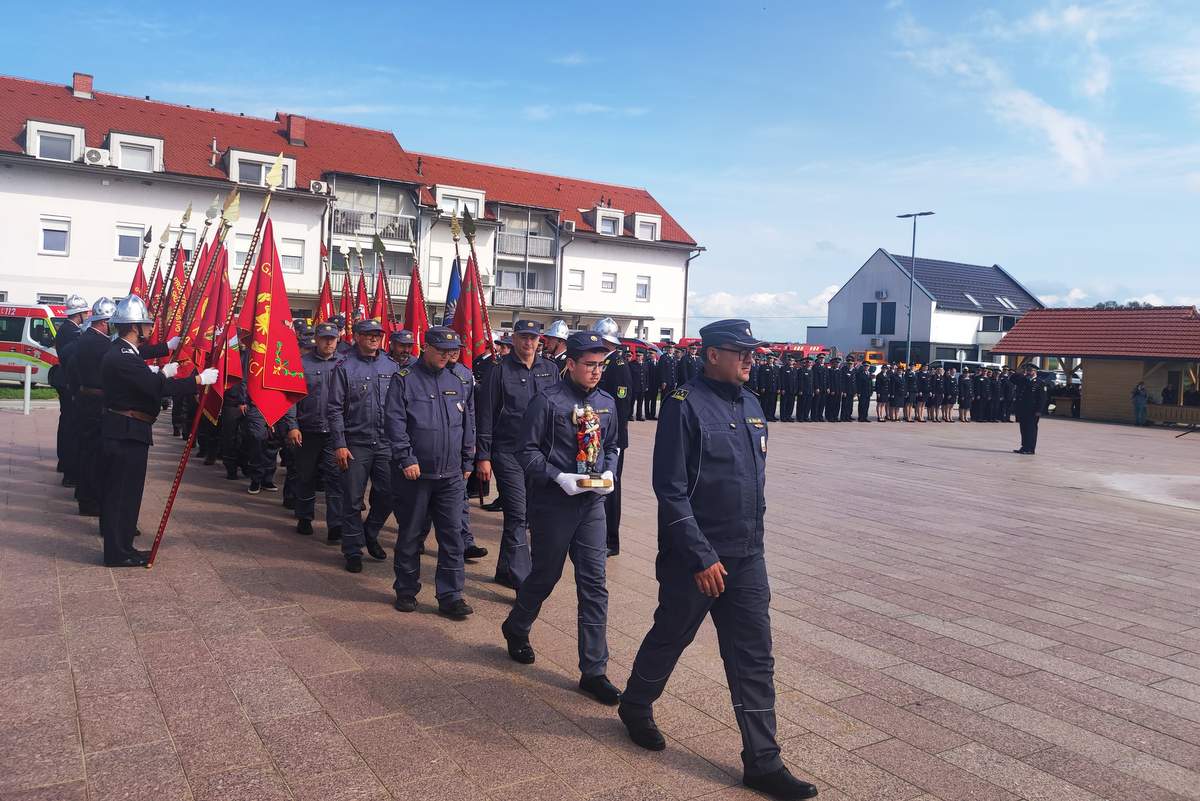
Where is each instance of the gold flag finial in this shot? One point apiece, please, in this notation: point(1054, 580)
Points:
point(274, 176)
point(455, 228)
point(233, 208)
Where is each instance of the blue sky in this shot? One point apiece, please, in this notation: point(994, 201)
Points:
point(1060, 140)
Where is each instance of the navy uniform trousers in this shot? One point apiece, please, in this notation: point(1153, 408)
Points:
point(561, 527)
point(121, 495)
point(441, 498)
point(369, 463)
point(513, 562)
point(743, 624)
point(314, 458)
point(262, 449)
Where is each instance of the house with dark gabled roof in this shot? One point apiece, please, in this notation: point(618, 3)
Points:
point(959, 311)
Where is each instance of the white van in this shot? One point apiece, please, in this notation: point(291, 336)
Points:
point(27, 338)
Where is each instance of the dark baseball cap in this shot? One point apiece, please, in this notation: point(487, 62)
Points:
point(402, 337)
point(327, 330)
point(368, 326)
point(729, 332)
point(527, 327)
point(585, 342)
point(442, 338)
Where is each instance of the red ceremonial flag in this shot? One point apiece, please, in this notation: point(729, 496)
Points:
point(414, 311)
point(156, 290)
point(381, 310)
point(361, 304)
point(325, 302)
point(276, 377)
point(200, 340)
point(347, 308)
point(177, 296)
point(138, 286)
point(470, 317)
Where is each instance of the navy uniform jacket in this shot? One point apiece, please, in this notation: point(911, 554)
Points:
point(547, 444)
point(1007, 388)
point(993, 384)
point(66, 334)
point(1029, 396)
point(430, 420)
point(983, 388)
point(503, 397)
point(862, 381)
point(689, 368)
point(637, 378)
point(668, 372)
point(966, 389)
point(804, 381)
point(768, 380)
point(709, 473)
point(820, 377)
point(950, 387)
point(357, 395)
point(88, 352)
point(787, 380)
point(310, 414)
point(129, 385)
point(617, 382)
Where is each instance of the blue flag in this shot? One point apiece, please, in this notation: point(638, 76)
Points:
point(452, 293)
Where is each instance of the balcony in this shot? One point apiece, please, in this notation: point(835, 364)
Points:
point(397, 285)
point(361, 222)
point(527, 298)
point(514, 245)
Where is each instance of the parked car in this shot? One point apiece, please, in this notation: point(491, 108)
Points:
point(27, 338)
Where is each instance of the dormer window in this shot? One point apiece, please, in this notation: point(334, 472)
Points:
point(647, 227)
point(970, 298)
point(647, 231)
point(454, 205)
point(53, 142)
point(133, 152)
point(252, 168)
point(255, 172)
point(609, 225)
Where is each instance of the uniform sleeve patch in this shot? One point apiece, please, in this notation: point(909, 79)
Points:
point(679, 394)
point(622, 392)
point(450, 392)
point(402, 373)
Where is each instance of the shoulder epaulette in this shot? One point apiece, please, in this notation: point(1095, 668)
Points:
point(679, 394)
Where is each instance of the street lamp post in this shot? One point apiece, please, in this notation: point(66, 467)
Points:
point(912, 280)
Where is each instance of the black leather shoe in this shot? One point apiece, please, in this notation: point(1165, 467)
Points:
point(505, 581)
point(614, 552)
point(475, 552)
point(1020, 450)
point(254, 488)
point(780, 784)
point(175, 431)
point(89, 510)
point(642, 730)
point(494, 506)
point(405, 603)
point(455, 610)
point(600, 688)
point(519, 649)
point(354, 564)
point(231, 474)
point(137, 560)
point(289, 503)
point(334, 534)
point(270, 486)
point(376, 550)
point(304, 527)
point(69, 483)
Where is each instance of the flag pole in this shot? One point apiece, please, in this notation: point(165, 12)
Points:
point(379, 248)
point(145, 248)
point(469, 229)
point(162, 243)
point(273, 179)
point(156, 305)
point(229, 215)
point(178, 310)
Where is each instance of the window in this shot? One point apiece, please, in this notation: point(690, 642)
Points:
point(991, 322)
point(3, 297)
point(1006, 323)
point(887, 318)
point(510, 279)
point(291, 255)
point(56, 236)
point(947, 354)
point(968, 297)
point(1005, 302)
point(608, 282)
point(609, 225)
point(188, 244)
point(129, 241)
point(575, 279)
point(137, 157)
point(648, 231)
point(433, 273)
point(454, 205)
point(40, 331)
point(51, 298)
point(643, 287)
point(868, 318)
point(665, 334)
point(12, 329)
point(255, 172)
point(59, 147)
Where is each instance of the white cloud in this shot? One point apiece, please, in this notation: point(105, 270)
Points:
point(1079, 145)
point(763, 305)
point(1073, 297)
point(545, 111)
point(572, 59)
point(1177, 67)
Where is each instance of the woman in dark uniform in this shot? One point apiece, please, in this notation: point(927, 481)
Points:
point(899, 392)
point(966, 397)
point(934, 399)
point(883, 392)
point(922, 377)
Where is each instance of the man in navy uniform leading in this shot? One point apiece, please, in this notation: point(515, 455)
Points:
point(709, 474)
point(1029, 399)
point(356, 403)
point(566, 519)
point(501, 400)
point(430, 425)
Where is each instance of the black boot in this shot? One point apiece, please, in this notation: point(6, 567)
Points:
point(600, 688)
point(642, 730)
point(519, 648)
point(780, 784)
point(475, 552)
point(304, 527)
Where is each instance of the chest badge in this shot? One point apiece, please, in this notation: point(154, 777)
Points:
point(679, 394)
point(459, 404)
point(762, 443)
point(757, 422)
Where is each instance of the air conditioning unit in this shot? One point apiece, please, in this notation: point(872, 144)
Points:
point(318, 187)
point(569, 225)
point(486, 278)
point(880, 294)
point(876, 342)
point(96, 157)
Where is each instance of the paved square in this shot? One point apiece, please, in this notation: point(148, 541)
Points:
point(951, 622)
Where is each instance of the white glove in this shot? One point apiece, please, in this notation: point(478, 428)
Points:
point(169, 370)
point(173, 343)
point(154, 368)
point(233, 341)
point(566, 483)
point(209, 376)
point(606, 490)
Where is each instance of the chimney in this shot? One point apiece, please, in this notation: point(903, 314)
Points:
point(419, 166)
point(81, 85)
point(295, 129)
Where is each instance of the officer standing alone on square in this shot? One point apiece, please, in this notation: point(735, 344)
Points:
point(709, 475)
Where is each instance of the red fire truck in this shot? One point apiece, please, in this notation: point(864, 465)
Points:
point(27, 338)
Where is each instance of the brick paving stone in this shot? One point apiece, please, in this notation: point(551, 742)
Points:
point(1053, 652)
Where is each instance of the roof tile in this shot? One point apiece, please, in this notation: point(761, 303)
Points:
point(1166, 332)
point(950, 282)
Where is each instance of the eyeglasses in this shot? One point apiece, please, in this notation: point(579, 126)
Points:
point(744, 355)
point(595, 367)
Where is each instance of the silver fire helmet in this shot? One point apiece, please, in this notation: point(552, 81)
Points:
point(558, 329)
point(102, 310)
point(608, 330)
point(77, 305)
point(129, 311)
